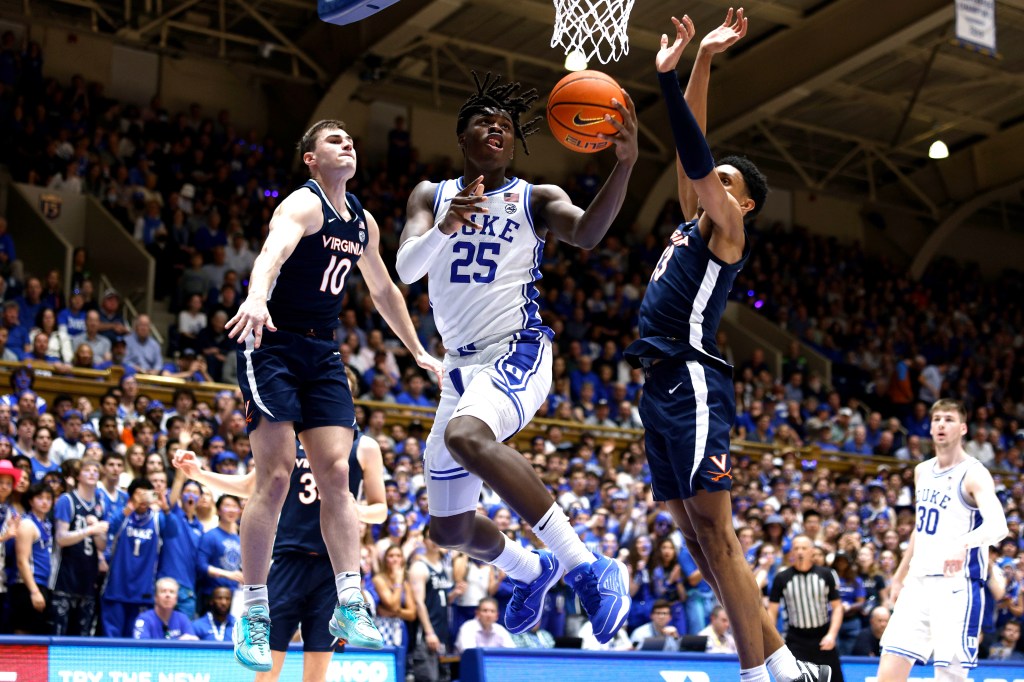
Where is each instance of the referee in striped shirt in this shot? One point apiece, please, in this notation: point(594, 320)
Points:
point(809, 591)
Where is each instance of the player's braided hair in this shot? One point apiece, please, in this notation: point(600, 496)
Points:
point(491, 93)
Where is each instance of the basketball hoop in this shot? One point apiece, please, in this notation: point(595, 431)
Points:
point(593, 28)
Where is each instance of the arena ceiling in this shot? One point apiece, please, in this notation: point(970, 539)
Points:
point(843, 96)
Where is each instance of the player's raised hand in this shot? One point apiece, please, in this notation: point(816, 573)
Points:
point(732, 29)
point(462, 206)
point(668, 56)
point(626, 147)
point(252, 316)
point(186, 462)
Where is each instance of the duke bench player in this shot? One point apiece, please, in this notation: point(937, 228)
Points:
point(293, 379)
point(939, 586)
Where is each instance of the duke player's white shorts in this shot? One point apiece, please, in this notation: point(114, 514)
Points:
point(502, 385)
point(937, 615)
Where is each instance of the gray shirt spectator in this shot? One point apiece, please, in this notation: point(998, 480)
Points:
point(92, 337)
point(141, 350)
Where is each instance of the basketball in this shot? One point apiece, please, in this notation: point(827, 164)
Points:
point(576, 109)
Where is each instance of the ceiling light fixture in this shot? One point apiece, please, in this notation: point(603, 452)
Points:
point(938, 150)
point(575, 61)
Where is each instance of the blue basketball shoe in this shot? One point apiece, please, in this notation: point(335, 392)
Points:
point(352, 624)
point(526, 607)
point(251, 636)
point(603, 589)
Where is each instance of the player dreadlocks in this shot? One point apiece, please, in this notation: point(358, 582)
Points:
point(491, 94)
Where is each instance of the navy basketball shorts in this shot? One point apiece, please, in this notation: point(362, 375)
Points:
point(687, 409)
point(302, 594)
point(295, 378)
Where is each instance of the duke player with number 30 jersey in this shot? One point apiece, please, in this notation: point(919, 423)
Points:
point(293, 379)
point(939, 586)
point(480, 239)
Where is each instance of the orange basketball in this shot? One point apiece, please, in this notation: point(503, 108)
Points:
point(576, 109)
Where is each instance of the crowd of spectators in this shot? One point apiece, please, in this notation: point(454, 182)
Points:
point(198, 193)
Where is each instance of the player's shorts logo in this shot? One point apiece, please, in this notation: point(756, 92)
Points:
point(722, 462)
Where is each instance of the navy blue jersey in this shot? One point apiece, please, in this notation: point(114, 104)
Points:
point(684, 301)
point(298, 528)
point(307, 293)
point(76, 566)
point(435, 598)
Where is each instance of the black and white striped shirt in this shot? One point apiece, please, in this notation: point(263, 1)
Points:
point(807, 595)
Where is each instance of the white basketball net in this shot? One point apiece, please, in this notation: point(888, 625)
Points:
point(594, 28)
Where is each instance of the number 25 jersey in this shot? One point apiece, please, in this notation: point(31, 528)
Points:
point(483, 282)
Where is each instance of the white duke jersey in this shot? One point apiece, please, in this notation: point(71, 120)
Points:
point(942, 518)
point(483, 282)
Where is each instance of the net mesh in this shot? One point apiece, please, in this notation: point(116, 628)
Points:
point(594, 28)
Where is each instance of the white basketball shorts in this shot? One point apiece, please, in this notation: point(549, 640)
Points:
point(502, 385)
point(937, 615)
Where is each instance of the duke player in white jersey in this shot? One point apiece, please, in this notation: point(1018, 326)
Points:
point(480, 238)
point(939, 586)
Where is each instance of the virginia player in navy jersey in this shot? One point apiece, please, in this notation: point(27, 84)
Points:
point(301, 580)
point(293, 379)
point(688, 405)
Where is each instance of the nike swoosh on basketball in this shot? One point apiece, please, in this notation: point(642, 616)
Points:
point(675, 387)
point(578, 120)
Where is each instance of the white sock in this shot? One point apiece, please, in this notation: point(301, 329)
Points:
point(518, 562)
point(348, 584)
point(782, 664)
point(255, 594)
point(758, 674)
point(556, 532)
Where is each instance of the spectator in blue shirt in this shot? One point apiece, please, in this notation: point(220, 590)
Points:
point(112, 323)
point(858, 443)
point(31, 302)
point(179, 557)
point(220, 550)
point(163, 621)
point(7, 253)
point(133, 560)
point(217, 624)
point(17, 333)
point(42, 441)
point(71, 320)
point(413, 393)
point(583, 374)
